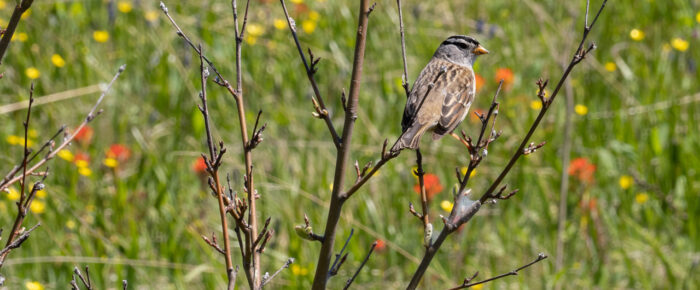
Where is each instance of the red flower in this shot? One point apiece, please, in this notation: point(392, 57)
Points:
point(432, 185)
point(506, 75)
point(81, 159)
point(199, 166)
point(119, 152)
point(381, 246)
point(84, 135)
point(479, 82)
point(582, 169)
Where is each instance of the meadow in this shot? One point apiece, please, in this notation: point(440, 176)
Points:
point(129, 198)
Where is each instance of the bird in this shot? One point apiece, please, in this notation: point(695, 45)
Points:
point(442, 93)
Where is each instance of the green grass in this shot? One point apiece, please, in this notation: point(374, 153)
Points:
point(143, 222)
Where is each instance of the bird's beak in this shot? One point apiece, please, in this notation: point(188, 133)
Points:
point(479, 50)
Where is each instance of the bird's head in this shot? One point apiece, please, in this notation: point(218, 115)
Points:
point(460, 49)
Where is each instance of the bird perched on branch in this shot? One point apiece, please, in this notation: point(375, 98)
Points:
point(441, 96)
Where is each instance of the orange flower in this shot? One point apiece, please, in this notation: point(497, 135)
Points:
point(432, 185)
point(119, 152)
point(84, 135)
point(81, 159)
point(506, 75)
point(479, 82)
point(582, 169)
point(199, 166)
point(381, 246)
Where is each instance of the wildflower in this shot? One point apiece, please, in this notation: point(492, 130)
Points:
point(57, 60)
point(626, 181)
point(446, 205)
point(22, 37)
point(34, 285)
point(124, 6)
point(26, 13)
point(506, 75)
point(297, 1)
point(151, 16)
point(313, 15)
point(697, 17)
point(299, 270)
point(610, 66)
point(381, 245)
point(84, 171)
point(32, 73)
point(641, 198)
point(13, 194)
point(199, 166)
point(255, 30)
point(3, 4)
point(40, 193)
point(581, 109)
point(249, 39)
point(479, 81)
point(81, 160)
point(582, 169)
point(70, 224)
point(680, 44)
point(464, 169)
point(19, 141)
point(280, 24)
point(84, 135)
point(111, 162)
point(66, 155)
point(536, 104)
point(432, 185)
point(119, 152)
point(100, 35)
point(308, 26)
point(37, 207)
point(636, 34)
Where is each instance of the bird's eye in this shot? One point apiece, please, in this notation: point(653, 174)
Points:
point(462, 45)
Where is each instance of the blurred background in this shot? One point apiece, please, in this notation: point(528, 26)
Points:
point(127, 198)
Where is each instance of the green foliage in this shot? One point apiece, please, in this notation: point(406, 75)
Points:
point(142, 220)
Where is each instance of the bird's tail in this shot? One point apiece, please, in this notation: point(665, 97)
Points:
point(410, 138)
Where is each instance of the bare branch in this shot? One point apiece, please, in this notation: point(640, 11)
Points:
point(349, 282)
point(467, 284)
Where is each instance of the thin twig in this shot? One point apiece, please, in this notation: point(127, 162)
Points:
point(467, 284)
point(349, 282)
point(21, 7)
point(266, 280)
point(404, 78)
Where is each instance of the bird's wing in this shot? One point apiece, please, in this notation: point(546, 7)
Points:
point(415, 99)
point(459, 89)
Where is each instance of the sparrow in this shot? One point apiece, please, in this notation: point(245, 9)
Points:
point(442, 93)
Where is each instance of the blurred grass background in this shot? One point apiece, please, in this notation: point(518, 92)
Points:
point(631, 223)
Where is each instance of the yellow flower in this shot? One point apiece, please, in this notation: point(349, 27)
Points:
point(41, 193)
point(22, 37)
point(66, 155)
point(124, 6)
point(308, 26)
point(299, 270)
point(34, 285)
point(697, 17)
point(81, 163)
point(151, 16)
point(680, 44)
point(536, 105)
point(280, 24)
point(610, 66)
point(641, 198)
point(626, 181)
point(13, 194)
point(446, 205)
point(581, 109)
point(100, 35)
point(464, 169)
point(70, 224)
point(636, 34)
point(255, 30)
point(111, 162)
point(19, 141)
point(37, 207)
point(32, 73)
point(33, 133)
point(3, 4)
point(84, 171)
point(477, 287)
point(297, 1)
point(26, 13)
point(57, 60)
point(249, 39)
point(313, 15)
